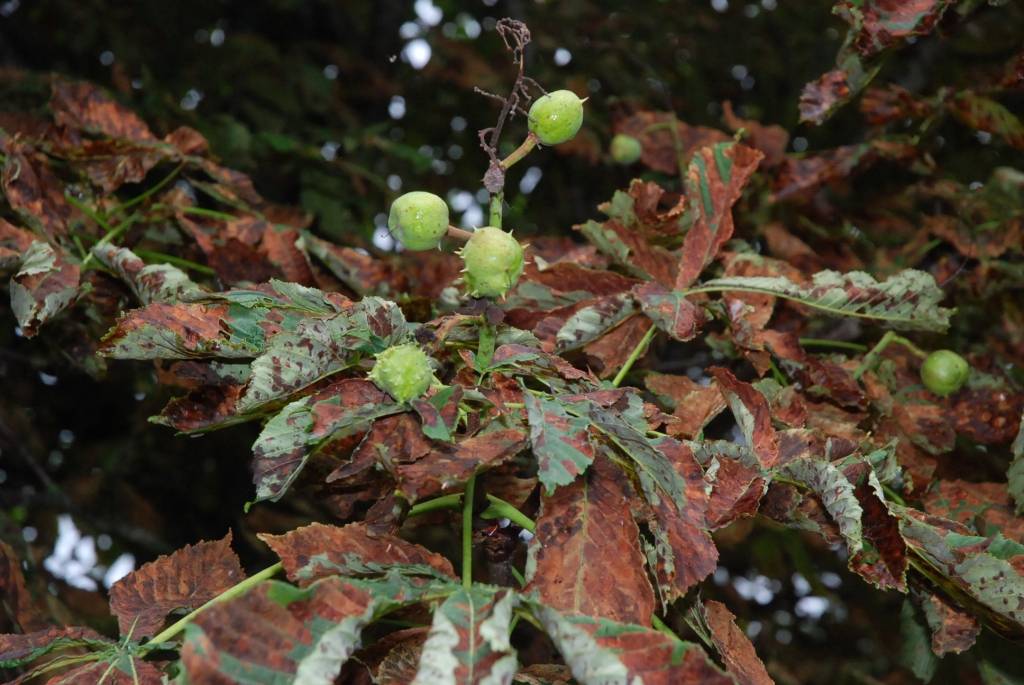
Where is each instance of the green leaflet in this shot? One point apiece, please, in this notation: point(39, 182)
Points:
point(908, 300)
point(45, 284)
point(468, 641)
point(837, 494)
point(149, 282)
point(560, 441)
point(1015, 474)
point(342, 409)
point(916, 652)
point(318, 347)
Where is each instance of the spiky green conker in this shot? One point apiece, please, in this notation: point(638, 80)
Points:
point(493, 262)
point(944, 372)
point(556, 117)
point(418, 219)
point(402, 371)
point(625, 149)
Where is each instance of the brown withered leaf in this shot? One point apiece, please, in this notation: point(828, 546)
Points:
point(715, 180)
point(15, 597)
point(124, 670)
point(926, 426)
point(653, 130)
point(14, 242)
point(202, 408)
point(657, 212)
point(736, 491)
point(186, 579)
point(82, 106)
point(821, 97)
point(587, 549)
point(752, 413)
point(800, 178)
point(734, 646)
point(611, 350)
point(772, 140)
point(449, 466)
point(33, 191)
point(694, 405)
point(319, 551)
point(954, 630)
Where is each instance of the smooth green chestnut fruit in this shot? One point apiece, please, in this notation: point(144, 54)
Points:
point(944, 372)
point(493, 262)
point(626, 149)
point(418, 219)
point(403, 371)
point(556, 117)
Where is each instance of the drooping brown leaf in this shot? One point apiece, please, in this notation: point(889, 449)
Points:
point(14, 242)
point(752, 413)
point(612, 349)
point(186, 579)
point(586, 551)
point(734, 646)
point(81, 106)
point(318, 551)
point(714, 182)
point(31, 189)
point(15, 597)
point(694, 405)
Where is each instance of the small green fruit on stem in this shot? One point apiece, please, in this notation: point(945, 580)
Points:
point(944, 372)
point(493, 262)
point(403, 371)
point(556, 117)
point(418, 219)
point(625, 149)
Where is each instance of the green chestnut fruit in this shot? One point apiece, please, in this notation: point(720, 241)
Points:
point(403, 371)
point(556, 117)
point(418, 219)
point(493, 262)
point(626, 149)
point(944, 372)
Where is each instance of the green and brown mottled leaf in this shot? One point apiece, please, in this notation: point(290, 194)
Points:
point(17, 650)
point(670, 310)
point(585, 557)
point(468, 642)
point(344, 408)
point(603, 651)
point(753, 416)
point(150, 282)
point(186, 579)
point(319, 550)
point(714, 182)
point(45, 284)
point(561, 442)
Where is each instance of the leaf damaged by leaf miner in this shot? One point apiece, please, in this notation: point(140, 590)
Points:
point(150, 282)
point(561, 441)
point(603, 651)
point(732, 644)
point(753, 415)
point(469, 640)
point(585, 557)
point(45, 284)
point(714, 182)
point(318, 551)
point(344, 408)
point(670, 310)
point(186, 579)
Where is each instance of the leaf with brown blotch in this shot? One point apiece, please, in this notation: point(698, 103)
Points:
point(561, 442)
point(119, 668)
point(733, 645)
point(599, 650)
point(800, 178)
point(878, 24)
point(694, 405)
point(45, 284)
point(278, 633)
point(983, 507)
point(450, 466)
point(954, 630)
point(882, 559)
point(33, 191)
point(342, 409)
point(822, 97)
point(670, 310)
point(150, 282)
point(362, 273)
point(985, 114)
point(585, 557)
point(752, 413)
point(319, 551)
point(714, 182)
point(736, 491)
point(205, 408)
point(83, 107)
point(469, 639)
point(186, 579)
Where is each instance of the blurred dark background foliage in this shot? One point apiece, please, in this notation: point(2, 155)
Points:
point(339, 106)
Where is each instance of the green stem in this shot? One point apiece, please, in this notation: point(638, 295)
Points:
point(662, 627)
point(499, 508)
point(838, 344)
point(521, 151)
point(871, 358)
point(152, 256)
point(495, 214)
point(467, 533)
point(151, 191)
point(232, 592)
point(109, 236)
point(436, 504)
point(634, 355)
